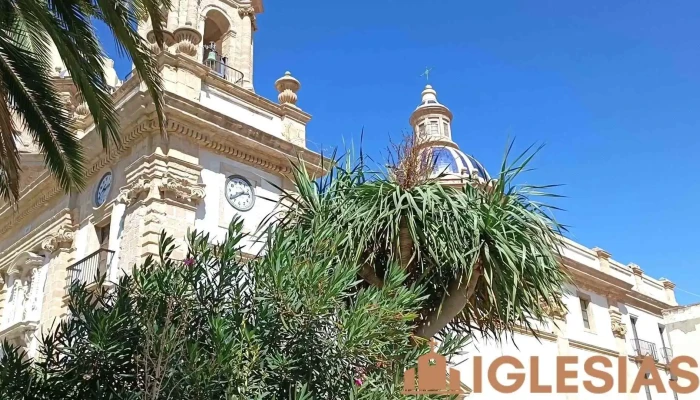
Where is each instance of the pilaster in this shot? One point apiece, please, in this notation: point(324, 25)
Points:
point(603, 259)
point(248, 25)
point(669, 290)
point(638, 277)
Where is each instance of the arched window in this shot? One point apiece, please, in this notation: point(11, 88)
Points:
point(216, 48)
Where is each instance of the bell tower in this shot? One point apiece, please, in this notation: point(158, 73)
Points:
point(216, 33)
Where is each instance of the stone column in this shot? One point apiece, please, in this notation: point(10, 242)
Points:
point(247, 15)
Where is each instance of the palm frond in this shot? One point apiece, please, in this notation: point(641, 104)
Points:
point(31, 95)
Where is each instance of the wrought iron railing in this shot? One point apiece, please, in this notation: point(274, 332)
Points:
point(642, 348)
point(219, 66)
point(90, 269)
point(667, 354)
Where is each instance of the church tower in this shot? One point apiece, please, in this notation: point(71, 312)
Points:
point(432, 127)
point(217, 33)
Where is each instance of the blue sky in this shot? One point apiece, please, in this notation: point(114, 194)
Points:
point(611, 88)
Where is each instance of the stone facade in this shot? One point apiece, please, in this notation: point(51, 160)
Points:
point(217, 127)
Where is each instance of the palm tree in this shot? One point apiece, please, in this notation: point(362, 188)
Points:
point(30, 102)
point(487, 254)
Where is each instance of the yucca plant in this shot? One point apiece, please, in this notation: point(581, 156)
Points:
point(487, 253)
point(30, 102)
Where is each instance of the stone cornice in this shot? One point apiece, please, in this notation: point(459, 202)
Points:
point(228, 136)
point(593, 279)
point(33, 240)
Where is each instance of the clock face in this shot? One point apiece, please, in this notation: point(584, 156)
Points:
point(239, 193)
point(103, 189)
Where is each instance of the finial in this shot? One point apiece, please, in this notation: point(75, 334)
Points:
point(428, 94)
point(287, 86)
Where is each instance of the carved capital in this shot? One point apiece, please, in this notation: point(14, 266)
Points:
point(553, 310)
point(619, 329)
point(668, 284)
point(248, 12)
point(63, 238)
point(182, 189)
point(131, 194)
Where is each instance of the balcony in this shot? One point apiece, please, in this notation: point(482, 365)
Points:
point(667, 355)
point(219, 66)
point(90, 269)
point(642, 348)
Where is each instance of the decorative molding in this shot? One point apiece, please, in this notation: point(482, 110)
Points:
point(554, 311)
point(24, 262)
point(619, 329)
point(287, 87)
point(130, 194)
point(601, 253)
point(63, 238)
point(181, 189)
point(187, 39)
point(668, 284)
point(249, 12)
point(636, 269)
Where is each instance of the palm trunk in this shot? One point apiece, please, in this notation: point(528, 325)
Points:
point(370, 275)
point(405, 245)
point(458, 295)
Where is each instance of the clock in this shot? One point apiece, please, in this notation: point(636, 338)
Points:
point(103, 188)
point(239, 193)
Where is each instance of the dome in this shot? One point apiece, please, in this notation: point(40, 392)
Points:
point(452, 161)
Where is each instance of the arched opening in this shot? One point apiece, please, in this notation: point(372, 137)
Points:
point(216, 46)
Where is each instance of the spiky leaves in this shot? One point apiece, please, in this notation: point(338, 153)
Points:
point(486, 253)
point(27, 30)
point(293, 324)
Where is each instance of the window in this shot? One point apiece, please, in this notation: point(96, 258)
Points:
point(421, 129)
point(445, 128)
point(585, 313)
point(433, 128)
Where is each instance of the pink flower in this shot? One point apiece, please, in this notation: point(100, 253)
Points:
point(358, 381)
point(189, 261)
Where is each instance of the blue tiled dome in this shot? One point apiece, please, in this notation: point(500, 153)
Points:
point(450, 160)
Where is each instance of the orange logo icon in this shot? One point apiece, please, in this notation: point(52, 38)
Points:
point(432, 377)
